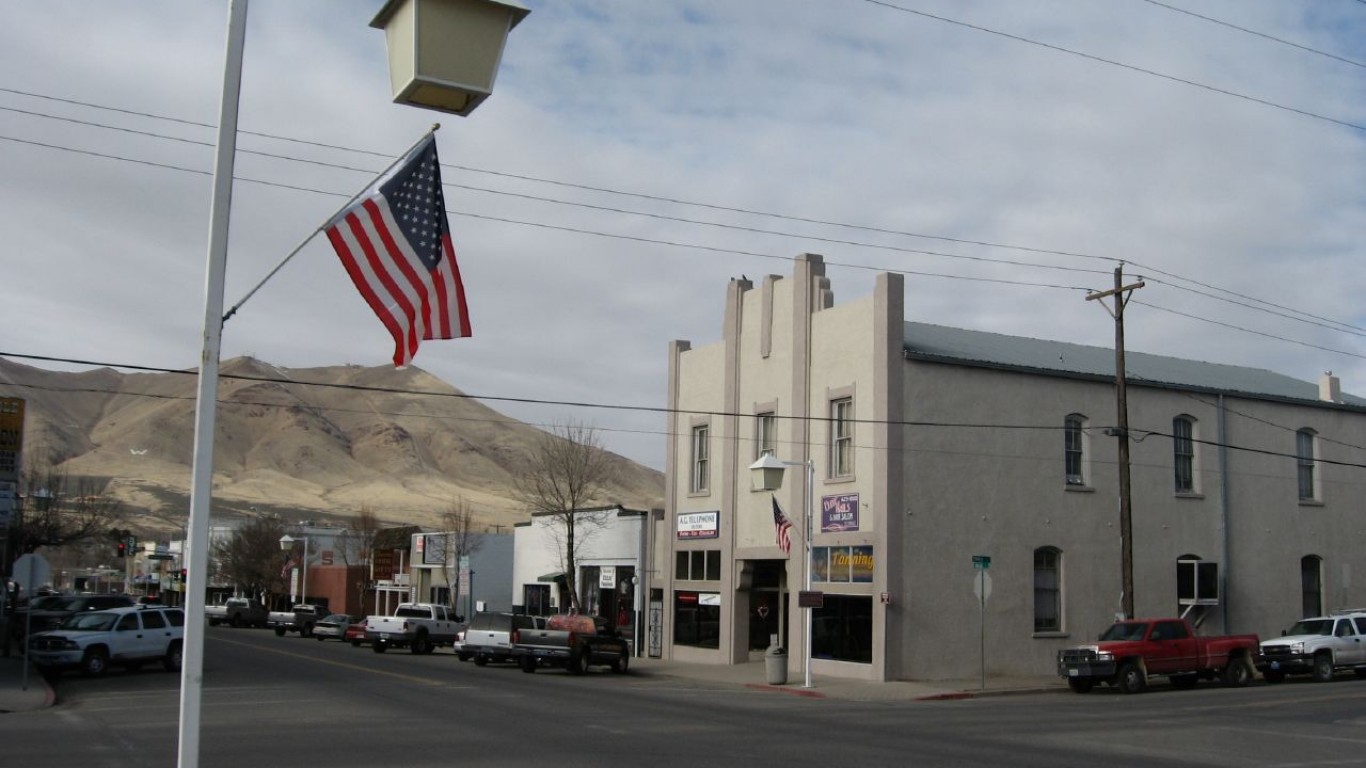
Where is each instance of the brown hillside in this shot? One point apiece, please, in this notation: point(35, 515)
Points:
point(315, 443)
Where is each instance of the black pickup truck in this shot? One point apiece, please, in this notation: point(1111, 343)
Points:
point(574, 642)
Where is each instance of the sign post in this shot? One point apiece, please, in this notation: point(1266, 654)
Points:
point(982, 586)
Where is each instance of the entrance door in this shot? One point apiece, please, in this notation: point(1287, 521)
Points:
point(765, 613)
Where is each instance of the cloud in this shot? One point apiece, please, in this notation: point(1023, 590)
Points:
point(856, 113)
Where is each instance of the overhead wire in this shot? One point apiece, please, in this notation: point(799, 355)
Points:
point(1262, 35)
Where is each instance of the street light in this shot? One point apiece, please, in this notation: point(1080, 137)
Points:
point(287, 544)
point(767, 474)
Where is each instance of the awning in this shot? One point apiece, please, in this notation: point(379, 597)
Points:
point(552, 577)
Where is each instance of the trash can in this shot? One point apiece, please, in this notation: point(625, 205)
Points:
point(775, 664)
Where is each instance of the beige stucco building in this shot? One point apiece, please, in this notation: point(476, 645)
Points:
point(936, 449)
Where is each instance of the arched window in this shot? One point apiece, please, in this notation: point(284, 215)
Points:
point(1311, 585)
point(1074, 449)
point(1306, 454)
point(1047, 589)
point(1183, 453)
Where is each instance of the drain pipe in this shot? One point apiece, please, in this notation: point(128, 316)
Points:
point(1224, 512)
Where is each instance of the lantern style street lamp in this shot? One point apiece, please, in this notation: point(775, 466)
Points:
point(287, 544)
point(444, 54)
point(767, 475)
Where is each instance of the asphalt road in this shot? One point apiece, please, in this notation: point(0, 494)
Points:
point(272, 701)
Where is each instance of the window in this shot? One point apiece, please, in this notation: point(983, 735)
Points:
point(1047, 590)
point(698, 565)
point(842, 629)
point(1306, 443)
point(1183, 453)
point(1074, 442)
point(697, 619)
point(1311, 586)
point(842, 437)
point(765, 435)
point(700, 458)
point(153, 620)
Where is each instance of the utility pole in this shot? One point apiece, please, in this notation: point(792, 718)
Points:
point(1126, 529)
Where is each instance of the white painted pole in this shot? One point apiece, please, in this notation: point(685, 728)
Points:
point(206, 409)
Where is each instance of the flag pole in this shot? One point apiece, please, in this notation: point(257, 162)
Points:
point(206, 402)
point(435, 127)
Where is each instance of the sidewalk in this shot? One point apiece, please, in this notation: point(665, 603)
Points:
point(753, 676)
point(18, 695)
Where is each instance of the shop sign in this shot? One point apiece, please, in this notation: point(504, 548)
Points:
point(607, 577)
point(839, 513)
point(709, 598)
point(699, 525)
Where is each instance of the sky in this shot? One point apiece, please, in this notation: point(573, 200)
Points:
point(636, 156)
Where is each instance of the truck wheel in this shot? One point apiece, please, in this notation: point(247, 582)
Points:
point(355, 643)
point(175, 655)
point(319, 638)
point(1080, 684)
point(1130, 678)
point(95, 662)
point(1323, 668)
point(1274, 676)
point(379, 647)
point(279, 631)
point(236, 620)
point(420, 645)
point(578, 663)
point(622, 664)
point(1237, 674)
point(213, 622)
point(462, 656)
point(306, 630)
point(528, 664)
point(480, 660)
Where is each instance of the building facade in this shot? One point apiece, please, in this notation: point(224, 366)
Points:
point(470, 581)
point(963, 503)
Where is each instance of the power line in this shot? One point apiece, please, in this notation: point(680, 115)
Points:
point(753, 212)
point(570, 403)
point(1262, 35)
point(1122, 65)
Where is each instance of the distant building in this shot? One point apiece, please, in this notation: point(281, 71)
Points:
point(947, 461)
point(439, 576)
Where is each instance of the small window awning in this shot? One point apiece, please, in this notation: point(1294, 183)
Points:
point(552, 577)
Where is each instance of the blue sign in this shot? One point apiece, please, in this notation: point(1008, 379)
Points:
point(839, 513)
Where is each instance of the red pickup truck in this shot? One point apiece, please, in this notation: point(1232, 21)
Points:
point(1130, 652)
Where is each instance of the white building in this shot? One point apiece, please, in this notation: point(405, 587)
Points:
point(937, 451)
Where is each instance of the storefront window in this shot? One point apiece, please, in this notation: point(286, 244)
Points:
point(695, 622)
point(843, 629)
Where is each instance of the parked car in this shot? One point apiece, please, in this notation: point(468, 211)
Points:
point(333, 625)
point(488, 637)
point(1320, 646)
point(92, 640)
point(300, 619)
point(54, 613)
point(237, 612)
point(419, 627)
point(1130, 652)
point(355, 634)
point(573, 643)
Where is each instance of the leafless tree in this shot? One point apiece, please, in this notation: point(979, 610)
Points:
point(357, 543)
point(460, 540)
point(251, 558)
point(568, 470)
point(61, 510)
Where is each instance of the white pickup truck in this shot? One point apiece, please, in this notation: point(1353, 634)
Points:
point(421, 627)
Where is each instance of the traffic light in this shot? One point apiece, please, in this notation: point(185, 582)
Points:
point(123, 549)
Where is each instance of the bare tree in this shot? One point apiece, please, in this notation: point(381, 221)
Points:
point(567, 470)
point(460, 540)
point(251, 558)
point(61, 510)
point(357, 543)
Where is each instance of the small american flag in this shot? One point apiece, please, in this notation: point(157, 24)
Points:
point(782, 527)
point(395, 244)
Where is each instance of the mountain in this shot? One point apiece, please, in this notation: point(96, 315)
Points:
point(309, 443)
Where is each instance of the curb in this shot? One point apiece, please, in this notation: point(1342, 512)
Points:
point(803, 692)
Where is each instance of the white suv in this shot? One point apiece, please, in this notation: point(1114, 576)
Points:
point(1319, 646)
point(129, 637)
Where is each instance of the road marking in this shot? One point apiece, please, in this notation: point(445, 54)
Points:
point(344, 665)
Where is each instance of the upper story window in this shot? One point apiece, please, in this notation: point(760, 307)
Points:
point(1311, 586)
point(1306, 454)
point(1074, 446)
point(701, 459)
point(765, 434)
point(1183, 453)
point(842, 437)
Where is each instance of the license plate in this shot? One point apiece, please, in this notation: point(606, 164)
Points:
point(1275, 665)
point(1074, 673)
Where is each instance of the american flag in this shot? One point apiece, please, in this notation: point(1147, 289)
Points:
point(396, 245)
point(782, 527)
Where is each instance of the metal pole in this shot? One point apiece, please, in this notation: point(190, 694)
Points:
point(810, 512)
point(201, 488)
point(303, 593)
point(982, 589)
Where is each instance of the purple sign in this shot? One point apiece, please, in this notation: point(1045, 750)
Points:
point(839, 513)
